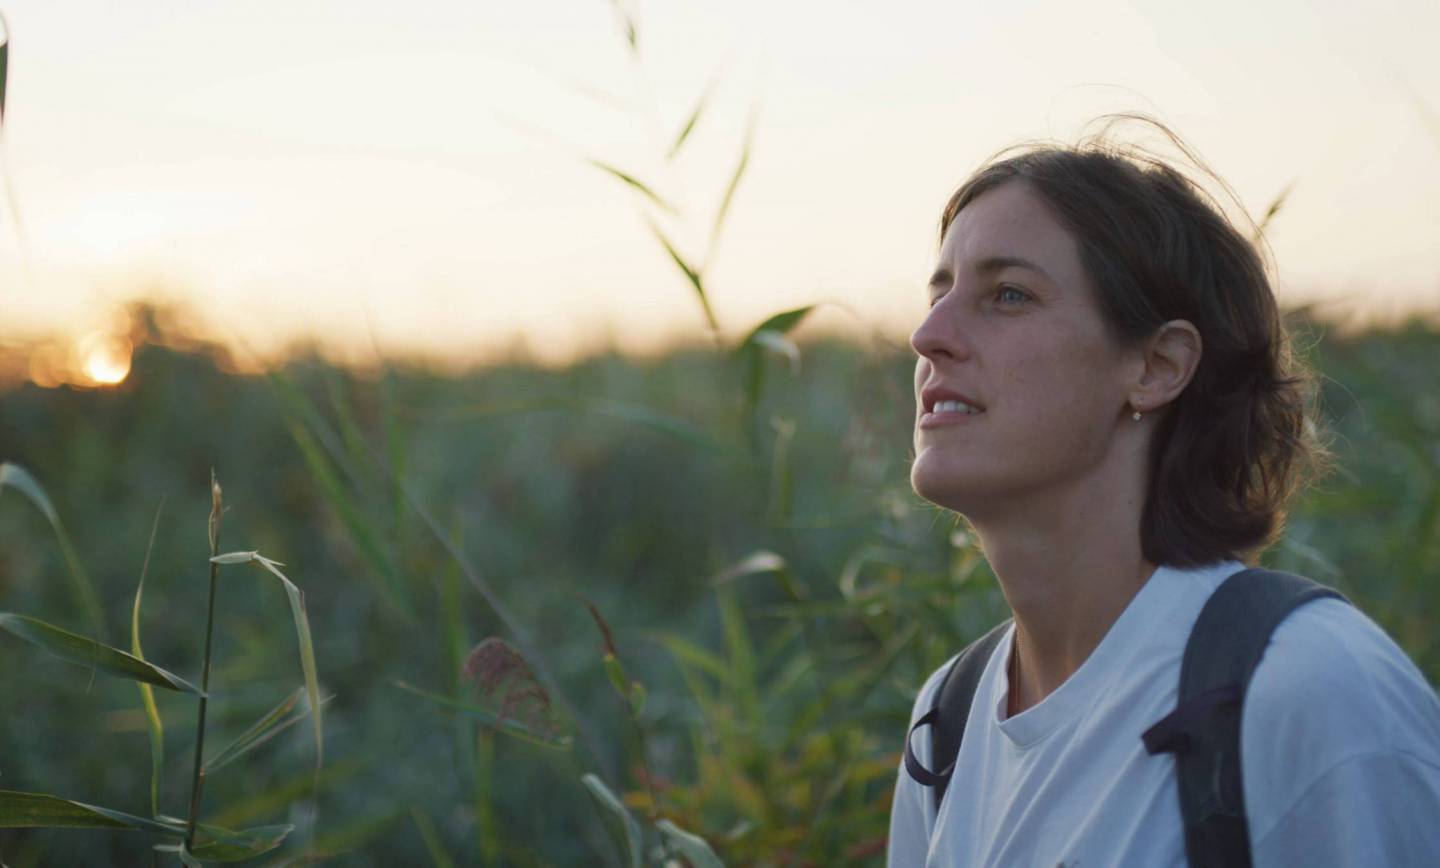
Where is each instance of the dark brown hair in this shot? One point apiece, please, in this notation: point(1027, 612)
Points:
point(1239, 443)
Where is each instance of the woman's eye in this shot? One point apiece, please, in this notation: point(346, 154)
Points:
point(1000, 293)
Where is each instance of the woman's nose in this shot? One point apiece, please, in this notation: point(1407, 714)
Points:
point(938, 335)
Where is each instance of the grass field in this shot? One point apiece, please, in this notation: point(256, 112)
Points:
point(744, 531)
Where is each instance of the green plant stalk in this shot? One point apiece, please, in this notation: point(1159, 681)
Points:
point(197, 782)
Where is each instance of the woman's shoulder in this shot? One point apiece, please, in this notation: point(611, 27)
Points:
point(1335, 709)
point(1329, 658)
point(1332, 687)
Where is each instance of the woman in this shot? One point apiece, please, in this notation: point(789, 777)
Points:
point(1106, 393)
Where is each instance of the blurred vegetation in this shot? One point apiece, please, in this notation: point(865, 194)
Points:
point(730, 530)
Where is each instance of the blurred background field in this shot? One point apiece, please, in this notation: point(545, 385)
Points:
point(765, 571)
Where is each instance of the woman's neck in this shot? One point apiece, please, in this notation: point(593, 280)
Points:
point(1068, 570)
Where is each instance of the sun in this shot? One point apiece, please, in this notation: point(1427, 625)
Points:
point(105, 359)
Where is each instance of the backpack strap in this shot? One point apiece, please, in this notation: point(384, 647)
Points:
point(946, 718)
point(1203, 732)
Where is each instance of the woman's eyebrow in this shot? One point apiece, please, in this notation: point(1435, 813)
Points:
point(997, 263)
point(989, 265)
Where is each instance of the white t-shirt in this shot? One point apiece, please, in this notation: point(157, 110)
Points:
point(1340, 736)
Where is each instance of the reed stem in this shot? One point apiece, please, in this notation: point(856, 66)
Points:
point(198, 781)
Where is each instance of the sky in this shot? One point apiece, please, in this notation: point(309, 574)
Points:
point(389, 178)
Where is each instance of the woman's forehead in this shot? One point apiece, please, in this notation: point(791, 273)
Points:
point(1012, 225)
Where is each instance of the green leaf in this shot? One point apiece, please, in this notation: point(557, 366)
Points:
point(19, 479)
point(618, 821)
point(627, 21)
point(687, 652)
point(220, 845)
point(690, 122)
point(781, 323)
point(696, 281)
point(769, 335)
point(4, 65)
point(267, 727)
point(431, 837)
point(357, 524)
point(734, 184)
point(488, 717)
point(20, 810)
point(635, 183)
point(1275, 205)
point(691, 846)
point(87, 652)
point(307, 654)
point(186, 857)
point(147, 693)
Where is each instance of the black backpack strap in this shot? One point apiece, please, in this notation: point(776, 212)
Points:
point(947, 717)
point(1203, 732)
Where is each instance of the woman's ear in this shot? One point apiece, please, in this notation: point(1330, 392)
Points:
point(1170, 358)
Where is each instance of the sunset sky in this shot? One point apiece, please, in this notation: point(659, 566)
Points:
point(414, 178)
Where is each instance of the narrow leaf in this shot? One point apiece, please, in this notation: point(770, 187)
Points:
point(635, 183)
point(147, 693)
point(263, 730)
point(691, 846)
point(19, 479)
point(431, 837)
point(4, 64)
point(307, 652)
point(758, 562)
point(1275, 206)
point(87, 652)
point(729, 197)
point(781, 323)
point(220, 845)
point(618, 820)
point(691, 275)
point(232, 558)
point(20, 810)
point(690, 122)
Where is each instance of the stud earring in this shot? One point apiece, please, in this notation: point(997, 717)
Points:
point(1135, 415)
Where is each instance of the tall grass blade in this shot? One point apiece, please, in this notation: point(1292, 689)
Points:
point(147, 693)
point(1275, 205)
point(725, 201)
point(87, 652)
point(4, 63)
point(691, 121)
point(271, 724)
point(634, 183)
point(692, 847)
point(740, 651)
point(693, 276)
point(627, 22)
point(361, 531)
point(431, 837)
point(18, 478)
point(619, 822)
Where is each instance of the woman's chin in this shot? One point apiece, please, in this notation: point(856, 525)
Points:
point(932, 483)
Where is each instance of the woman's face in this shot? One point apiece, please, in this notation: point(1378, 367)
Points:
point(1013, 329)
